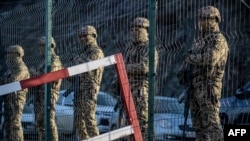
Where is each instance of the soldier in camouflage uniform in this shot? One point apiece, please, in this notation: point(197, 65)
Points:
point(85, 98)
point(14, 102)
point(207, 60)
point(40, 97)
point(136, 58)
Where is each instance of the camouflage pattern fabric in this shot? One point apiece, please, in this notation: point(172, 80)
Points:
point(85, 99)
point(14, 102)
point(136, 61)
point(207, 60)
point(40, 98)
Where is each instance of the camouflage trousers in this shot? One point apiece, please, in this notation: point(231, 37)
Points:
point(140, 97)
point(85, 103)
point(204, 105)
point(40, 120)
point(13, 109)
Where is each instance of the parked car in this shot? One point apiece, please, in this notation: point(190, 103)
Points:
point(64, 113)
point(235, 109)
point(168, 120)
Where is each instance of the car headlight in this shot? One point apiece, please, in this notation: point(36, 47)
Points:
point(163, 123)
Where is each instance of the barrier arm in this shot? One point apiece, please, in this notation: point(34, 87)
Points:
point(116, 60)
point(127, 97)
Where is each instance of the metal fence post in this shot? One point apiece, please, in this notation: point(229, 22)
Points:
point(48, 31)
point(151, 76)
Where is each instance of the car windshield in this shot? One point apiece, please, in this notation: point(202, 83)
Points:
point(165, 105)
point(103, 99)
point(66, 100)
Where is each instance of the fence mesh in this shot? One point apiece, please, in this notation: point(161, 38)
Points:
point(23, 23)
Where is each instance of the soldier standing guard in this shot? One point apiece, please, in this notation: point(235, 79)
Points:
point(136, 58)
point(207, 59)
point(40, 97)
point(85, 98)
point(14, 102)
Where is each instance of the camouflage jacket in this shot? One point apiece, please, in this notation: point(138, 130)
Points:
point(17, 73)
point(55, 65)
point(207, 59)
point(90, 53)
point(136, 58)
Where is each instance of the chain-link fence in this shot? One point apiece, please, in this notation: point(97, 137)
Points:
point(177, 26)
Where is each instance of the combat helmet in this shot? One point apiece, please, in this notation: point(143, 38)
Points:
point(87, 30)
point(42, 40)
point(140, 22)
point(15, 49)
point(209, 12)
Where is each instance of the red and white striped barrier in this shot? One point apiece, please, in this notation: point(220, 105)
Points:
point(113, 135)
point(53, 76)
point(81, 68)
